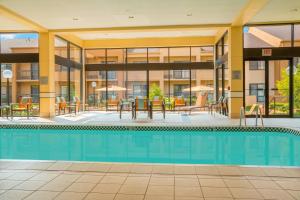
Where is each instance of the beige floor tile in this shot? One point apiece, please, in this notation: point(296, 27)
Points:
point(293, 172)
point(14, 195)
point(245, 193)
point(71, 196)
point(129, 197)
point(22, 176)
point(163, 169)
point(55, 186)
point(67, 178)
point(107, 188)
point(81, 187)
point(30, 185)
point(188, 198)
point(137, 181)
point(207, 170)
point(133, 189)
point(160, 190)
point(229, 170)
point(42, 195)
point(113, 179)
point(79, 167)
point(156, 197)
point(99, 167)
point(60, 166)
point(86, 178)
point(259, 178)
point(275, 194)
point(252, 171)
point(4, 175)
point(275, 172)
point(40, 165)
point(8, 184)
point(289, 185)
point(99, 196)
point(294, 193)
point(213, 192)
point(44, 176)
point(264, 184)
point(225, 199)
point(179, 169)
point(123, 168)
point(188, 191)
point(238, 183)
point(141, 169)
point(186, 182)
point(212, 182)
point(162, 181)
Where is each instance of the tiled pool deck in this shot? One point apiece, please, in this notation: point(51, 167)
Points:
point(43, 180)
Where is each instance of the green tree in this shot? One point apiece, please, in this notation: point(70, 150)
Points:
point(155, 91)
point(283, 86)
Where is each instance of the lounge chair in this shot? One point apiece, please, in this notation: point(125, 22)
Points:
point(142, 104)
point(24, 105)
point(126, 104)
point(179, 102)
point(158, 104)
point(201, 103)
point(61, 106)
point(113, 102)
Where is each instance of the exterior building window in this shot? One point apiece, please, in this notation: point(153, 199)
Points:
point(258, 90)
point(256, 65)
point(178, 89)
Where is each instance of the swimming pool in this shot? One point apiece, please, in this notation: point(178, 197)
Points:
point(267, 147)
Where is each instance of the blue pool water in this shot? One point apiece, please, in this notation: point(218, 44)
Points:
point(197, 147)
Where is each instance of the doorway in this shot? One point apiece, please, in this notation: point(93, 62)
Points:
point(267, 83)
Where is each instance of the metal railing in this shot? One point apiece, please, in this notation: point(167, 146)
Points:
point(28, 75)
point(258, 113)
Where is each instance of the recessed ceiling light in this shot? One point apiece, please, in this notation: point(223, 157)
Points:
point(294, 10)
point(75, 19)
point(189, 14)
point(131, 17)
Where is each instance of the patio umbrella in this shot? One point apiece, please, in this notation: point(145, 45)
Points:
point(199, 88)
point(113, 88)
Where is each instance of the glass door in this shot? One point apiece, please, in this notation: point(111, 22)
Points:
point(279, 87)
point(255, 85)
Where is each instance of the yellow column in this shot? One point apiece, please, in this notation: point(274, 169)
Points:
point(235, 73)
point(47, 74)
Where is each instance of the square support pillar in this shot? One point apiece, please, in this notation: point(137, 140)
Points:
point(47, 74)
point(235, 65)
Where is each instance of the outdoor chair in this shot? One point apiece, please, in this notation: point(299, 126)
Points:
point(201, 103)
point(179, 102)
point(217, 105)
point(24, 105)
point(126, 104)
point(158, 104)
point(113, 102)
point(142, 104)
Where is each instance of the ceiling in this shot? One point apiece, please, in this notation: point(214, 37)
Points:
point(145, 34)
point(60, 14)
point(114, 14)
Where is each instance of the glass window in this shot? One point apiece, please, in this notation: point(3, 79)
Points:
point(179, 54)
point(116, 56)
point(75, 53)
point(61, 82)
point(95, 56)
point(75, 87)
point(24, 83)
point(116, 89)
point(202, 54)
point(254, 87)
point(297, 35)
point(137, 55)
point(267, 36)
point(225, 43)
point(158, 55)
point(96, 89)
point(136, 84)
point(61, 47)
point(256, 65)
point(297, 87)
point(19, 43)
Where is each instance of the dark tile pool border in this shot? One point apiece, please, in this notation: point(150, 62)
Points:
point(151, 128)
